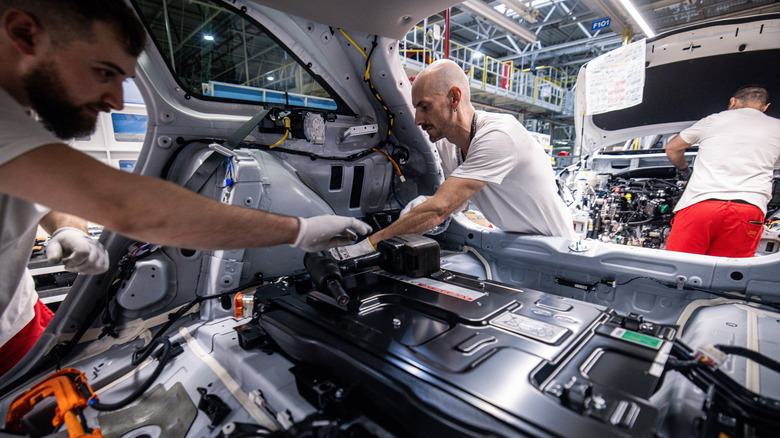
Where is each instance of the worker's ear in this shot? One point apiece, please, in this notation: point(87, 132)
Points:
point(22, 30)
point(766, 107)
point(454, 96)
point(732, 103)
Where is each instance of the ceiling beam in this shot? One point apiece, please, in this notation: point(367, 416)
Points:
point(578, 45)
point(606, 7)
point(505, 23)
point(525, 12)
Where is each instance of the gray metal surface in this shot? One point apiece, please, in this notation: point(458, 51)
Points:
point(160, 413)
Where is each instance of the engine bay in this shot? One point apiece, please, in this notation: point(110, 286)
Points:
point(615, 202)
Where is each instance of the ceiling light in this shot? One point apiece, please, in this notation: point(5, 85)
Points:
point(270, 78)
point(638, 18)
point(476, 55)
point(208, 37)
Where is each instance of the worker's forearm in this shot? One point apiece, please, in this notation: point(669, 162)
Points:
point(185, 219)
point(417, 221)
point(56, 220)
point(144, 208)
point(677, 158)
point(675, 151)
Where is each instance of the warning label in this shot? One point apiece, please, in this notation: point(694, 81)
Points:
point(439, 286)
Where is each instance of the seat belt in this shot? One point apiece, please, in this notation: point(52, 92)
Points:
point(210, 164)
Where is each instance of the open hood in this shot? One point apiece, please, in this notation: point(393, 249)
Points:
point(690, 73)
point(388, 19)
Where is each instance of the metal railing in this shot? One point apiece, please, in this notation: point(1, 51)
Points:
point(545, 86)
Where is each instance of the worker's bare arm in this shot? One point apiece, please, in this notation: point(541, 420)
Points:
point(143, 208)
point(675, 151)
point(453, 194)
point(56, 220)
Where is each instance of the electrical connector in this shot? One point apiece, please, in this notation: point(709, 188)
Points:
point(710, 355)
point(244, 305)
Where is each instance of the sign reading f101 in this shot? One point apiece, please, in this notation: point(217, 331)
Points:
point(601, 23)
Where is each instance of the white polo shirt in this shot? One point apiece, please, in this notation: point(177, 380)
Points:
point(19, 133)
point(521, 195)
point(738, 151)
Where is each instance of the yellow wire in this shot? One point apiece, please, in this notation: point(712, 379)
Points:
point(366, 78)
point(353, 43)
point(287, 124)
point(286, 132)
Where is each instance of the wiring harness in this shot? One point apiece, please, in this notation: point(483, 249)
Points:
point(731, 409)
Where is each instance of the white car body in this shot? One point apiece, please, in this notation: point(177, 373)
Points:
point(517, 336)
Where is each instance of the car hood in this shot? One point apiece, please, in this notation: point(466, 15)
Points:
point(388, 19)
point(690, 73)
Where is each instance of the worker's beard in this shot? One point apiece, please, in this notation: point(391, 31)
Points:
point(51, 102)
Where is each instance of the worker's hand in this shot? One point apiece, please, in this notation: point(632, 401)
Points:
point(352, 251)
point(77, 251)
point(683, 174)
point(413, 203)
point(322, 232)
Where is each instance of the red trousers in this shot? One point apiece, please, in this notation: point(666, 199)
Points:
point(14, 350)
point(718, 228)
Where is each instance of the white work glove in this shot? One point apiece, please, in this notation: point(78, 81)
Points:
point(419, 200)
point(77, 251)
point(413, 203)
point(322, 232)
point(352, 251)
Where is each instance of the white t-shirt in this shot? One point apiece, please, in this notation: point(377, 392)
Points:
point(738, 151)
point(19, 133)
point(520, 195)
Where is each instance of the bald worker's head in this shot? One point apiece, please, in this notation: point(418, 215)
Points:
point(438, 93)
point(439, 78)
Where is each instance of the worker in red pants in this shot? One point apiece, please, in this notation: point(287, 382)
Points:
point(722, 210)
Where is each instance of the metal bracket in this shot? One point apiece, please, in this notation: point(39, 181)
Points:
point(359, 130)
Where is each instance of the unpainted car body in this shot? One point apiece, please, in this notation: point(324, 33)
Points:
point(515, 335)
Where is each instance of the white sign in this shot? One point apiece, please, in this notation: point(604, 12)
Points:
point(615, 80)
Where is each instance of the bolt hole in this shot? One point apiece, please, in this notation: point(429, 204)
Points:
point(736, 275)
point(471, 235)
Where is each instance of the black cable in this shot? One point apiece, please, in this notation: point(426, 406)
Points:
point(679, 364)
point(163, 358)
point(314, 156)
point(143, 352)
point(752, 355)
point(700, 289)
point(751, 407)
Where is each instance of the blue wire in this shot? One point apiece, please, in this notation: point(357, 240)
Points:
point(392, 181)
point(229, 181)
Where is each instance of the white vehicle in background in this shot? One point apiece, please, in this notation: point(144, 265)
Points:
point(624, 189)
point(476, 333)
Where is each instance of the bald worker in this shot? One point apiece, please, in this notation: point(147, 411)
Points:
point(489, 159)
